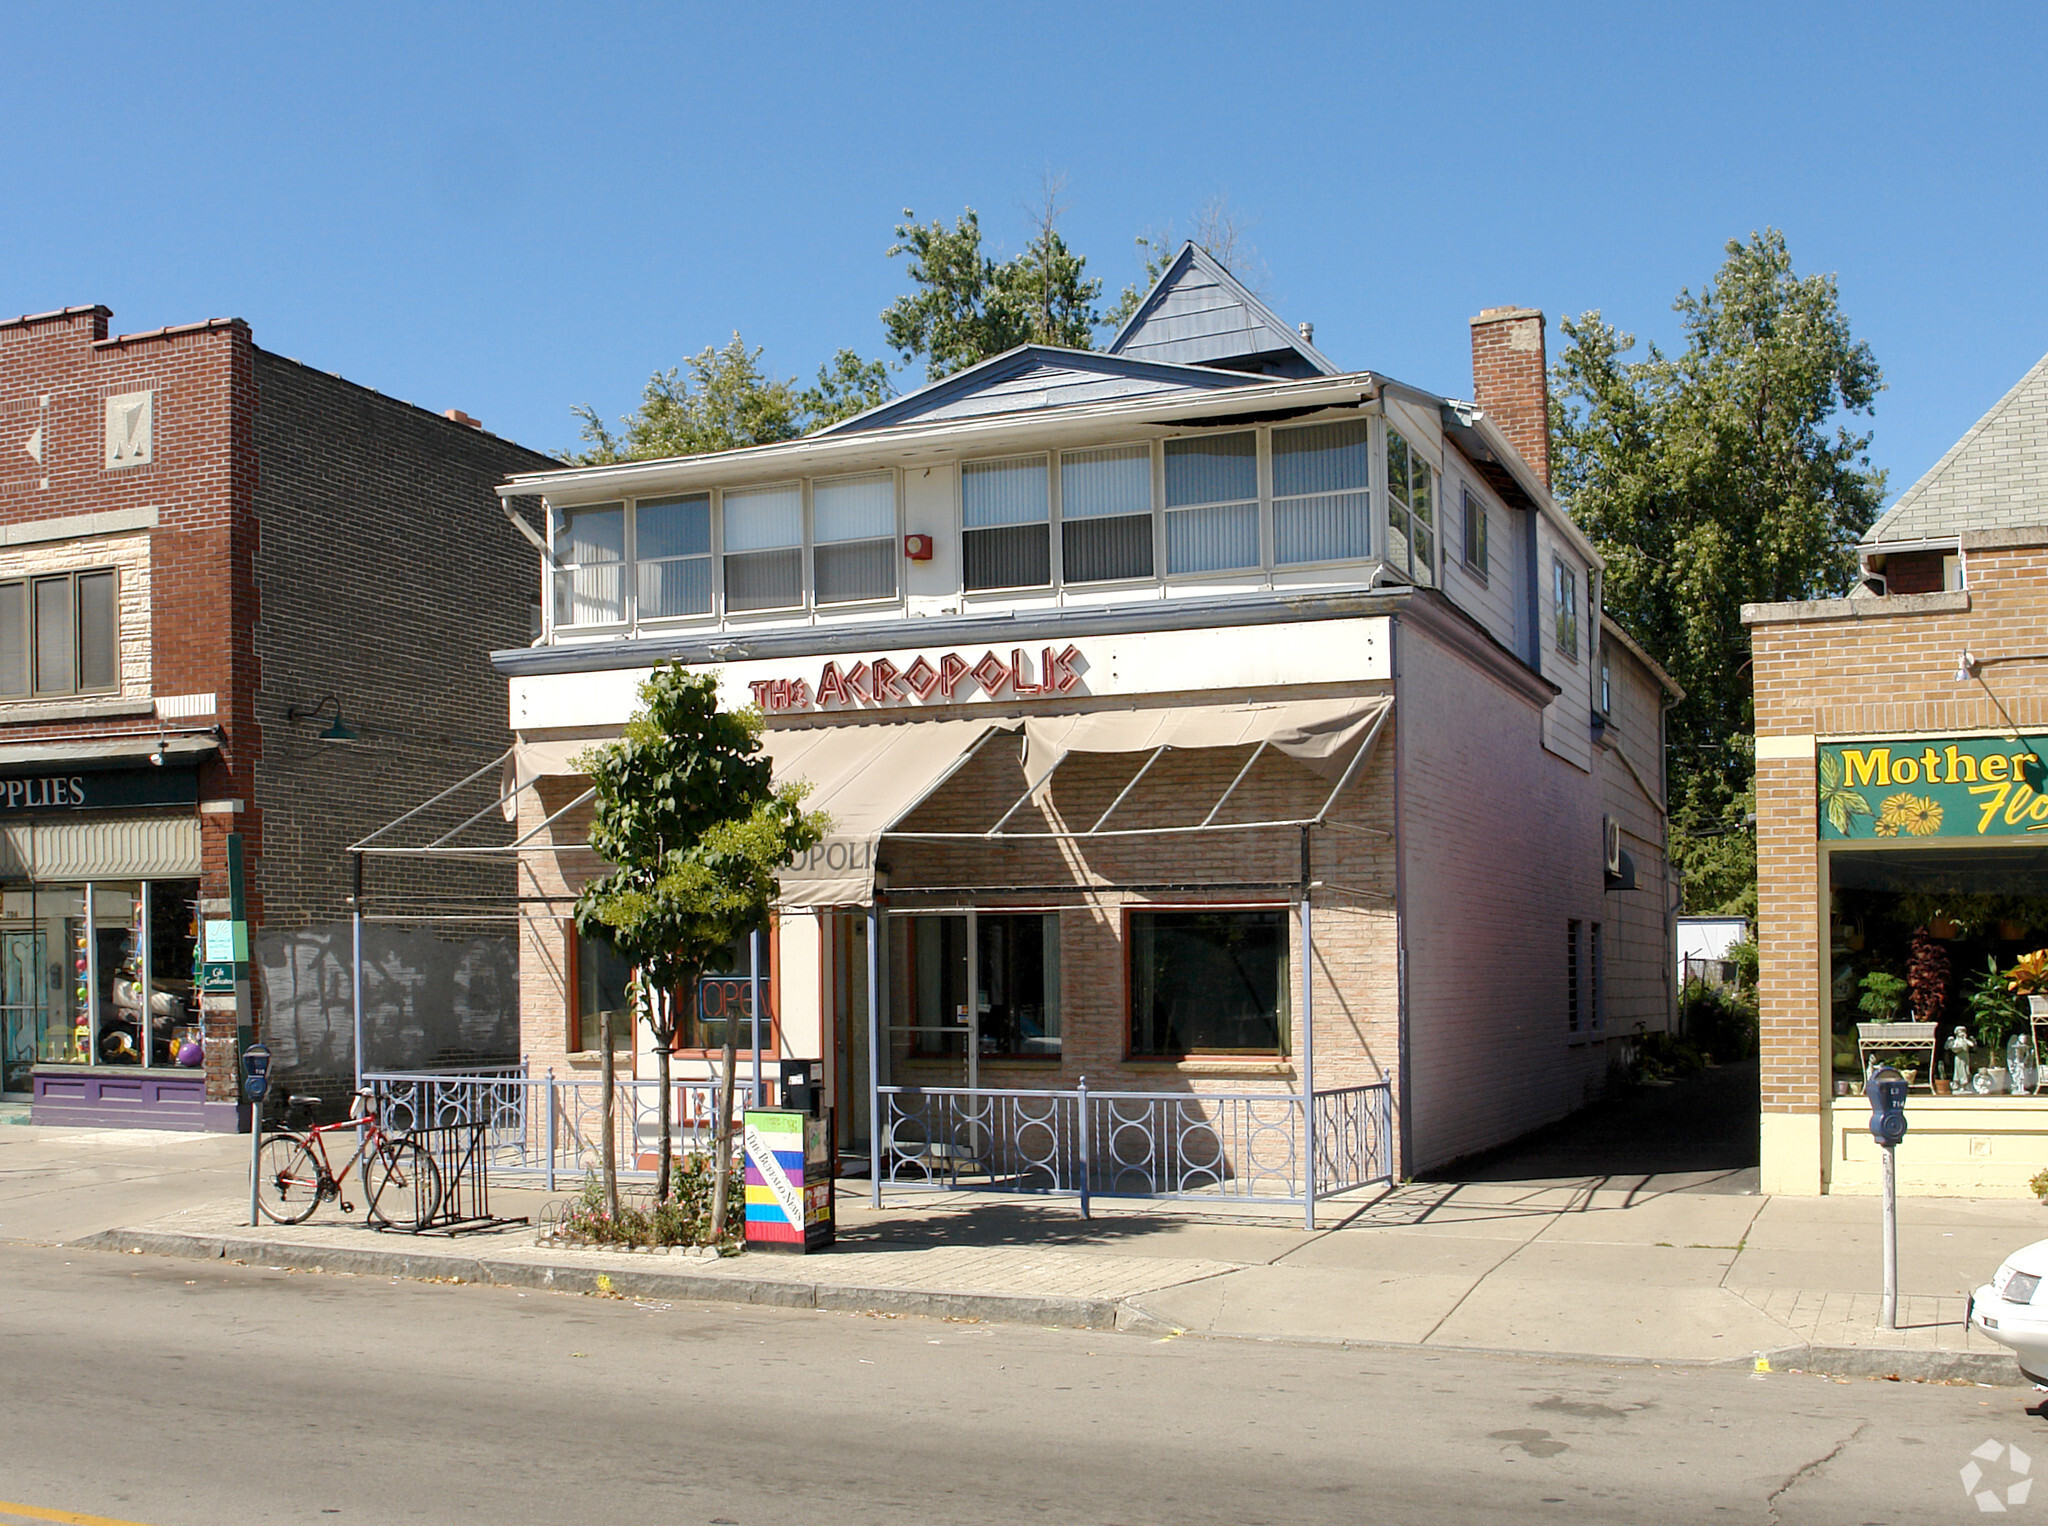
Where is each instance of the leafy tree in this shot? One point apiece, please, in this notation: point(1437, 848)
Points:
point(969, 307)
point(722, 400)
point(1709, 479)
point(687, 812)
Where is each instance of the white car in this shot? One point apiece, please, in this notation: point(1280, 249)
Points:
point(2008, 1311)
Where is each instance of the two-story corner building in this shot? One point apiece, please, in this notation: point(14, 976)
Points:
point(1902, 764)
point(243, 604)
point(1190, 713)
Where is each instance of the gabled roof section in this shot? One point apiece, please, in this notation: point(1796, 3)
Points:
point(1199, 314)
point(1994, 477)
point(1034, 377)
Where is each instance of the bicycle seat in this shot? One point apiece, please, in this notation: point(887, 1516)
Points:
point(299, 1101)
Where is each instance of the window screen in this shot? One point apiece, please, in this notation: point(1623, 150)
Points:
point(1212, 503)
point(1106, 514)
point(56, 659)
point(14, 642)
point(853, 530)
point(1006, 517)
point(764, 541)
point(590, 566)
point(1322, 509)
point(672, 551)
point(1565, 599)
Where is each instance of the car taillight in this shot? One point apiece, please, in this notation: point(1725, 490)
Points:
point(2019, 1287)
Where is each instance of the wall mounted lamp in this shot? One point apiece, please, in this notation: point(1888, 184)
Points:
point(337, 730)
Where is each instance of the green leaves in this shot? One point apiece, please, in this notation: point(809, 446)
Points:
point(1718, 477)
point(1838, 802)
point(686, 813)
point(969, 307)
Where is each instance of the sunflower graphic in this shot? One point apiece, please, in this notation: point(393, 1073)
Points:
point(1915, 815)
point(1884, 829)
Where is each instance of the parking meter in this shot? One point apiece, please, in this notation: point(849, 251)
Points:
point(1886, 1090)
point(255, 1065)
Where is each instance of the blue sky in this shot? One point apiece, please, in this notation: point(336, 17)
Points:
point(514, 209)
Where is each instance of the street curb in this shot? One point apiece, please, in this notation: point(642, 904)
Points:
point(1995, 1368)
point(633, 1282)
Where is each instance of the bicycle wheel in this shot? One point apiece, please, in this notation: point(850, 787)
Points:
point(403, 1185)
point(287, 1179)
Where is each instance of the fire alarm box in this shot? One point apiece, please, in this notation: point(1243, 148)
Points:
point(918, 547)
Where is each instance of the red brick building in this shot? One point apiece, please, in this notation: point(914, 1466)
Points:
point(241, 601)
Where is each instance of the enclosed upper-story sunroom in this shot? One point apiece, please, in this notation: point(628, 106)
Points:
point(1210, 451)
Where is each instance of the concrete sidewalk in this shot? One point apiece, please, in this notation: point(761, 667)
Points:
point(1660, 1268)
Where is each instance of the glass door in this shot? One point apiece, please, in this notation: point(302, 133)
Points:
point(23, 1009)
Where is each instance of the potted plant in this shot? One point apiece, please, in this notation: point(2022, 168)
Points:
point(1882, 992)
point(1995, 1013)
point(2029, 978)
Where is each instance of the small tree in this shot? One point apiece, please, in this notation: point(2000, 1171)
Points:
point(687, 812)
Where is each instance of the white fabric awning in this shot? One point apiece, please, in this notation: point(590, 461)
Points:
point(1321, 733)
point(866, 777)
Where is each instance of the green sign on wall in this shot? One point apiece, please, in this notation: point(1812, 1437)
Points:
point(1933, 788)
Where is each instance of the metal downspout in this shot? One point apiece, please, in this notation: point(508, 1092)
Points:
point(1406, 1070)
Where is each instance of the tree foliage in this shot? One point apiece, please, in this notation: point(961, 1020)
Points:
point(722, 399)
point(969, 306)
point(1719, 476)
point(687, 813)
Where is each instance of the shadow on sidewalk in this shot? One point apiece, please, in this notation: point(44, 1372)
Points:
point(1698, 1134)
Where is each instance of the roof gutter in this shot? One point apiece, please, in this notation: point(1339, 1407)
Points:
point(889, 443)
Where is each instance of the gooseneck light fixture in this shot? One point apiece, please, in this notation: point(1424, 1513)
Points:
point(337, 730)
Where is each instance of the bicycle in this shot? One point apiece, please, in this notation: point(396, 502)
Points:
point(401, 1183)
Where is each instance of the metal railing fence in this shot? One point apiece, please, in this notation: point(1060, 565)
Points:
point(1234, 1146)
point(551, 1128)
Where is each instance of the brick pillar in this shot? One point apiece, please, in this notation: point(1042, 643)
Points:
point(1510, 383)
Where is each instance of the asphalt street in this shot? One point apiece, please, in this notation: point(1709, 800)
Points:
point(175, 1393)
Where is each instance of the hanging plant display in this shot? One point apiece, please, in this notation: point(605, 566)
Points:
point(1927, 977)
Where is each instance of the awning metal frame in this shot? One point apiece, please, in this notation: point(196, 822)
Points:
point(1209, 823)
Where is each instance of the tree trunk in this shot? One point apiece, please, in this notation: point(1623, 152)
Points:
point(664, 1040)
point(607, 1104)
point(722, 1166)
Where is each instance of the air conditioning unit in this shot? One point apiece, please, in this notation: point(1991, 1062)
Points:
point(1610, 842)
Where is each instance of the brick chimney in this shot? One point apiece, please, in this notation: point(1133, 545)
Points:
point(1510, 382)
point(457, 416)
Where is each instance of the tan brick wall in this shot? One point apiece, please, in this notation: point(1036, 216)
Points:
point(1873, 676)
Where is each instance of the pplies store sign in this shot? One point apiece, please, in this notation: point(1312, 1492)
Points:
point(1933, 788)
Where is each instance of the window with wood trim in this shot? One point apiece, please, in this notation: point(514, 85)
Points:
point(600, 982)
point(1208, 980)
point(60, 635)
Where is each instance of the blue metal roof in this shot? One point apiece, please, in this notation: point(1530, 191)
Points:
point(1035, 376)
point(1198, 313)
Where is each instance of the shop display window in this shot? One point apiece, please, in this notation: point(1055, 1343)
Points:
point(1208, 982)
point(701, 1025)
point(98, 974)
point(1016, 959)
point(600, 982)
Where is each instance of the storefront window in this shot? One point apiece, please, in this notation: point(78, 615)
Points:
point(1208, 982)
point(603, 984)
point(1016, 959)
point(98, 974)
point(725, 995)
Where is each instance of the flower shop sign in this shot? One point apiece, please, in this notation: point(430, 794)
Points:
point(1934, 787)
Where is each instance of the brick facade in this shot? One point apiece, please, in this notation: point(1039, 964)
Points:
point(287, 535)
point(1866, 667)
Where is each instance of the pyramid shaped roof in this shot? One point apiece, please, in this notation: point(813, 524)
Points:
point(1199, 314)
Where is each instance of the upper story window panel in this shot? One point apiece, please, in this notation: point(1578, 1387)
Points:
point(1212, 503)
point(59, 635)
point(1475, 533)
point(1564, 589)
point(1322, 493)
point(764, 547)
point(1006, 518)
point(672, 556)
point(1411, 511)
point(1106, 514)
point(853, 533)
point(590, 566)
